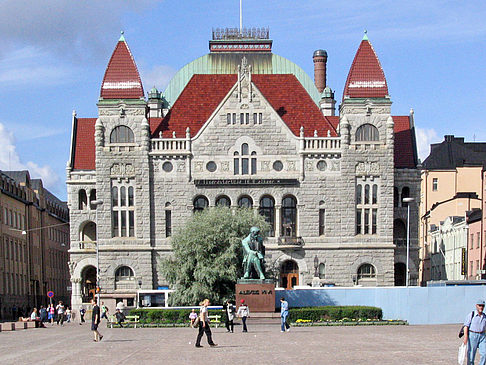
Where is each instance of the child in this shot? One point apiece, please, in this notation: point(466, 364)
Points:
point(192, 317)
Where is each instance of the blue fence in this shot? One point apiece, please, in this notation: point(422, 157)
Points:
point(417, 305)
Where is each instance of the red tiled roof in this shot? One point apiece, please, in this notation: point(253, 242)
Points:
point(204, 93)
point(404, 145)
point(366, 78)
point(84, 144)
point(121, 80)
point(194, 106)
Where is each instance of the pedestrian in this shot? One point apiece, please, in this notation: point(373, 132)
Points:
point(204, 325)
point(68, 315)
point(82, 312)
point(244, 313)
point(43, 314)
point(95, 321)
point(192, 317)
point(60, 313)
point(34, 317)
point(51, 314)
point(230, 315)
point(104, 311)
point(474, 336)
point(284, 313)
point(120, 317)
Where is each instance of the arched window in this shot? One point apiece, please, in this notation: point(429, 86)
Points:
point(396, 197)
point(82, 199)
point(248, 165)
point(366, 271)
point(367, 132)
point(322, 271)
point(359, 194)
point(223, 201)
point(200, 203)
point(124, 278)
point(399, 232)
point(92, 198)
point(121, 134)
point(88, 232)
point(267, 209)
point(289, 216)
point(405, 194)
point(245, 202)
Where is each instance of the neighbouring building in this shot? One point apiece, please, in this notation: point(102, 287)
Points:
point(475, 246)
point(34, 245)
point(452, 183)
point(243, 127)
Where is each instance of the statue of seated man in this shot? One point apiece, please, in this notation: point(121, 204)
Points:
point(254, 254)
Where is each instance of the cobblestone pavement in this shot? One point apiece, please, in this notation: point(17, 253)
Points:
point(73, 344)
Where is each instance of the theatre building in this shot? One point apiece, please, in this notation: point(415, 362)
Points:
point(243, 127)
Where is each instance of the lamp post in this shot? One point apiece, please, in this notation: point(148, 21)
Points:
point(408, 201)
point(96, 204)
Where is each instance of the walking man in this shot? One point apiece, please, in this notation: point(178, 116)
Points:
point(95, 321)
point(104, 311)
point(60, 313)
point(474, 336)
point(284, 313)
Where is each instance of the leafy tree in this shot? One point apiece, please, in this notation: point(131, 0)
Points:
point(207, 254)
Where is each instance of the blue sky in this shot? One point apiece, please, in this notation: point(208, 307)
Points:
point(53, 55)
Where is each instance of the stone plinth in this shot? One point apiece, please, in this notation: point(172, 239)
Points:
point(259, 295)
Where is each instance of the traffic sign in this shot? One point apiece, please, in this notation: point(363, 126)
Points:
point(50, 293)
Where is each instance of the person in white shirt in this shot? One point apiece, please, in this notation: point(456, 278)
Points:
point(204, 325)
point(244, 313)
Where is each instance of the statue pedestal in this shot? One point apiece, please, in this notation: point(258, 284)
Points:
point(259, 295)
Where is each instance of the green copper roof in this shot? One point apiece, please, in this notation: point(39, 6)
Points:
point(122, 37)
point(227, 63)
point(365, 36)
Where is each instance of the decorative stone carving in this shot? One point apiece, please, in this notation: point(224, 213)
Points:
point(367, 168)
point(181, 166)
point(115, 169)
point(122, 170)
point(309, 165)
point(198, 166)
point(72, 266)
point(129, 169)
point(265, 165)
point(225, 166)
point(334, 165)
point(291, 166)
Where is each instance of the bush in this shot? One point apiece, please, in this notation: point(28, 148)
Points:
point(335, 313)
point(167, 316)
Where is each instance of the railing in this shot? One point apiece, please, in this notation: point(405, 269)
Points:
point(290, 241)
point(319, 143)
point(87, 245)
point(170, 144)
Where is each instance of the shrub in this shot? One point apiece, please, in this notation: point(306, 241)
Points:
point(335, 313)
point(166, 316)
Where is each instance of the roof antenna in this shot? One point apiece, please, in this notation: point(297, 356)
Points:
point(241, 16)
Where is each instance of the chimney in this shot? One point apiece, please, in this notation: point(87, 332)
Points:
point(320, 61)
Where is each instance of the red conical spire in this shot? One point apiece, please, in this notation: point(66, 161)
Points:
point(122, 80)
point(366, 78)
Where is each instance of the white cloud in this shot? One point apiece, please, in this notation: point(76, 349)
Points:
point(10, 160)
point(425, 136)
point(159, 76)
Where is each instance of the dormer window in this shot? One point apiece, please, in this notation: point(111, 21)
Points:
point(367, 133)
point(122, 134)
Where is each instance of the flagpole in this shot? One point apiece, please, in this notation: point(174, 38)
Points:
point(241, 17)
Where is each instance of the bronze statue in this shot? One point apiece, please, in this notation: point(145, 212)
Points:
point(254, 254)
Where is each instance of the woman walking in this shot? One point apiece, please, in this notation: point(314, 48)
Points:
point(244, 313)
point(204, 325)
point(230, 316)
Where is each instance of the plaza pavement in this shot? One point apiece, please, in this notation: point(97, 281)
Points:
point(73, 344)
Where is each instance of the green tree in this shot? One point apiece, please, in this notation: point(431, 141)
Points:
point(207, 254)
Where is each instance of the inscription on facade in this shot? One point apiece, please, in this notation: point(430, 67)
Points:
point(246, 182)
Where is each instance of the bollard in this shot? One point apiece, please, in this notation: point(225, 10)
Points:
point(0, 327)
point(12, 326)
point(25, 325)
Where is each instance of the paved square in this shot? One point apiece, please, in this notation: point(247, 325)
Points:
point(72, 344)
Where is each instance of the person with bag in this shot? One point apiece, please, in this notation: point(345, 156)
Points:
point(244, 313)
point(230, 316)
point(474, 333)
point(203, 324)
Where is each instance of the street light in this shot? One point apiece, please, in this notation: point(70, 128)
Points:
point(408, 201)
point(96, 204)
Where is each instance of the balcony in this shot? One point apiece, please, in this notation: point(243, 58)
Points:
point(286, 242)
point(400, 242)
point(87, 245)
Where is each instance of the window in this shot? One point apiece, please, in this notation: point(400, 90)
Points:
point(435, 184)
point(322, 221)
point(200, 203)
point(405, 194)
point(366, 133)
point(228, 118)
point(244, 161)
point(289, 216)
point(478, 239)
point(322, 271)
point(223, 201)
point(168, 223)
point(366, 271)
point(245, 202)
point(472, 241)
point(366, 208)
point(123, 210)
point(267, 210)
point(82, 199)
point(121, 134)
point(124, 278)
point(396, 197)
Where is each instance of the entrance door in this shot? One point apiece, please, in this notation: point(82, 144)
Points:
point(400, 274)
point(289, 274)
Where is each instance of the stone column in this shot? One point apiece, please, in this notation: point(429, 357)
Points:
point(76, 298)
point(277, 220)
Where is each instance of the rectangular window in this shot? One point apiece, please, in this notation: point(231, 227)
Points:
point(478, 240)
point(255, 118)
point(435, 184)
point(247, 118)
point(373, 221)
point(228, 118)
point(322, 221)
point(358, 221)
point(242, 118)
point(115, 232)
point(260, 118)
point(123, 223)
point(253, 166)
point(244, 166)
point(5, 216)
point(131, 223)
point(472, 241)
point(477, 267)
point(236, 166)
point(234, 118)
point(366, 221)
point(168, 223)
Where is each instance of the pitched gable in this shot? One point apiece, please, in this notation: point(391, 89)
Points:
point(84, 144)
point(405, 154)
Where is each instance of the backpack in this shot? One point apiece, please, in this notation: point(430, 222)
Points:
point(461, 331)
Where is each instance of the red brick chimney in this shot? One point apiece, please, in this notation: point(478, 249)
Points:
point(320, 61)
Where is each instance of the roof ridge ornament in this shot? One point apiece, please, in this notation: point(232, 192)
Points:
point(122, 37)
point(244, 79)
point(365, 36)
